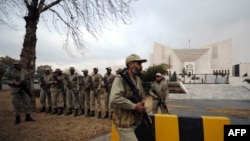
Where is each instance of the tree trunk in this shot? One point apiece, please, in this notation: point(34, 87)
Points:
point(28, 53)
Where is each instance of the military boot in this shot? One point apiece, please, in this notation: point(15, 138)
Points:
point(42, 110)
point(54, 112)
point(88, 113)
point(60, 111)
point(106, 115)
point(99, 114)
point(49, 110)
point(28, 118)
point(18, 120)
point(69, 112)
point(82, 112)
point(92, 113)
point(76, 113)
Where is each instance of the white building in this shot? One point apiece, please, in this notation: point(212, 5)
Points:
point(216, 57)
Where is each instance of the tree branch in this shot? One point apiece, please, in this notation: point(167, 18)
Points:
point(50, 5)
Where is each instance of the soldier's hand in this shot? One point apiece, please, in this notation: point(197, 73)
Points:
point(155, 96)
point(16, 83)
point(139, 107)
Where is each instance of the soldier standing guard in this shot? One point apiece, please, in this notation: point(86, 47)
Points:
point(96, 87)
point(108, 80)
point(45, 91)
point(21, 84)
point(159, 90)
point(84, 93)
point(72, 92)
point(56, 89)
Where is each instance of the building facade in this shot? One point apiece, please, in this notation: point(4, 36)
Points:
point(209, 59)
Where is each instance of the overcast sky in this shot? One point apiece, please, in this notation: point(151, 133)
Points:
point(169, 22)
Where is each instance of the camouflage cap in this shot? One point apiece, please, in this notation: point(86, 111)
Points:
point(47, 68)
point(71, 68)
point(134, 57)
point(16, 62)
point(57, 70)
point(95, 68)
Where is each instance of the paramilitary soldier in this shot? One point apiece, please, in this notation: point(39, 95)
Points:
point(45, 91)
point(72, 92)
point(84, 93)
point(56, 82)
point(96, 87)
point(159, 93)
point(108, 80)
point(123, 118)
point(21, 84)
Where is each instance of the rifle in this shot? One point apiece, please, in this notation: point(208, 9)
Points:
point(45, 86)
point(106, 84)
point(70, 86)
point(141, 131)
point(93, 86)
point(23, 87)
point(161, 102)
point(59, 84)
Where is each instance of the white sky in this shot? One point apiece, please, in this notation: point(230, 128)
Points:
point(168, 22)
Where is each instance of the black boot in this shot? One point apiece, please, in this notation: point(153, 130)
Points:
point(49, 110)
point(76, 113)
point(111, 114)
point(88, 113)
point(18, 120)
point(106, 115)
point(69, 112)
point(28, 118)
point(60, 111)
point(82, 112)
point(42, 110)
point(99, 114)
point(92, 113)
point(54, 112)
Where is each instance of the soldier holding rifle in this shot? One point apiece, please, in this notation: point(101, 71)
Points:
point(21, 84)
point(159, 93)
point(45, 91)
point(128, 114)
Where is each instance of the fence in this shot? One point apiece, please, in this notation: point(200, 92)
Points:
point(206, 79)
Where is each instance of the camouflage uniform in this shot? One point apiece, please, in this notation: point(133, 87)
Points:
point(162, 90)
point(19, 94)
point(84, 92)
point(124, 118)
point(56, 82)
point(95, 94)
point(108, 80)
point(44, 95)
point(72, 94)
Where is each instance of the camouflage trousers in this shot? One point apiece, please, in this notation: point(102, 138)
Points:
point(106, 101)
point(57, 98)
point(127, 134)
point(43, 97)
point(84, 98)
point(72, 99)
point(19, 99)
point(95, 97)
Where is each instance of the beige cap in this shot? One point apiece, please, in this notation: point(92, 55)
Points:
point(108, 68)
point(158, 74)
point(85, 70)
point(134, 57)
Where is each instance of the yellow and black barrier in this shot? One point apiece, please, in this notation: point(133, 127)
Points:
point(180, 128)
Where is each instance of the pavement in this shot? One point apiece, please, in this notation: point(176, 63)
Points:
point(209, 100)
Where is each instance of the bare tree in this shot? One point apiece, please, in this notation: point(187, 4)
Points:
point(71, 17)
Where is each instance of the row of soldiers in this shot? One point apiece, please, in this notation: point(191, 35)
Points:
point(80, 92)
